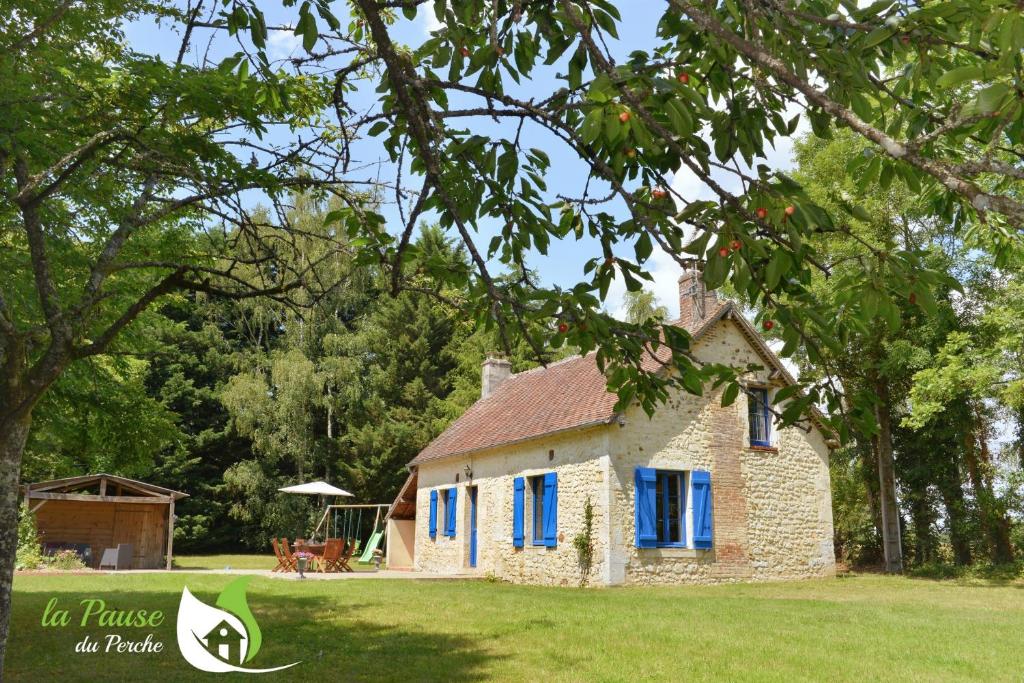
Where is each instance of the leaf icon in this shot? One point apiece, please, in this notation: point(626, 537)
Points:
point(232, 599)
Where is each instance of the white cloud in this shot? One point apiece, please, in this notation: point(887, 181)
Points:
point(283, 44)
point(665, 271)
point(428, 19)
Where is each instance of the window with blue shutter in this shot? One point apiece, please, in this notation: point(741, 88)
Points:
point(671, 503)
point(660, 514)
point(518, 500)
point(759, 415)
point(449, 510)
point(551, 509)
point(700, 487)
point(646, 507)
point(537, 509)
point(433, 514)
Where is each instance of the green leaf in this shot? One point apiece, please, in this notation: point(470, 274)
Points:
point(732, 391)
point(777, 266)
point(643, 247)
point(991, 98)
point(960, 75)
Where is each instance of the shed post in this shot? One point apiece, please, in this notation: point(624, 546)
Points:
point(170, 532)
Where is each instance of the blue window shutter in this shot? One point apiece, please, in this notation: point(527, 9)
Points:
point(645, 504)
point(433, 514)
point(518, 504)
point(551, 509)
point(450, 509)
point(700, 487)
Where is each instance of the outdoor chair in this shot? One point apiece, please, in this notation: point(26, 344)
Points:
point(119, 558)
point(286, 550)
point(282, 561)
point(350, 550)
point(333, 551)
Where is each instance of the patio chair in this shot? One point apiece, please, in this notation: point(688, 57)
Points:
point(282, 561)
point(286, 550)
point(350, 550)
point(119, 558)
point(333, 550)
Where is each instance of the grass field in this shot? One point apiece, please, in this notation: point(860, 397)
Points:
point(851, 629)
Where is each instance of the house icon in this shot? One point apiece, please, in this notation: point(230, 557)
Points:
point(223, 640)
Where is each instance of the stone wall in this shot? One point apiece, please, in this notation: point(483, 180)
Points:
point(772, 507)
point(581, 461)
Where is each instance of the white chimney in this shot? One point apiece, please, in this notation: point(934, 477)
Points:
point(494, 372)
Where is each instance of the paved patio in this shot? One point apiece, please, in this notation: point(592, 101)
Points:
point(386, 574)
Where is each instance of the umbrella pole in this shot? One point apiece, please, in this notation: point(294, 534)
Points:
point(327, 511)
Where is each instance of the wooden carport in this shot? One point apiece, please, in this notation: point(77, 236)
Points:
point(102, 510)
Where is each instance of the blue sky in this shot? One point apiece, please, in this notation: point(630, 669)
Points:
point(563, 265)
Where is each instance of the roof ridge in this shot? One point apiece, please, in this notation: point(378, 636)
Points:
point(541, 368)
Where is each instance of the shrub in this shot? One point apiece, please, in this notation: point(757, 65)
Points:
point(584, 543)
point(65, 560)
point(29, 554)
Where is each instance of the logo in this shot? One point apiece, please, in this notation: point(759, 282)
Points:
point(220, 640)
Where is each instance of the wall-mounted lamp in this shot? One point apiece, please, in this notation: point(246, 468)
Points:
point(469, 472)
point(622, 421)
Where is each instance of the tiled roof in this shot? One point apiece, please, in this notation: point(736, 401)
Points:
point(569, 394)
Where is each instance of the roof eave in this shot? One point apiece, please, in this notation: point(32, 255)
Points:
point(415, 462)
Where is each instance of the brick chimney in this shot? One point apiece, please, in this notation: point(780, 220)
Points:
point(696, 303)
point(493, 373)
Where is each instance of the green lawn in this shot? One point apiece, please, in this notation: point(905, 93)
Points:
point(854, 629)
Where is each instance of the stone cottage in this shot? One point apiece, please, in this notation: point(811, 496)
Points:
point(697, 493)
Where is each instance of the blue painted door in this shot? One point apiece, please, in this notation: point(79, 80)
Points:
point(472, 527)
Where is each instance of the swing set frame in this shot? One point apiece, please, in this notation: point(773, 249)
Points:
point(360, 507)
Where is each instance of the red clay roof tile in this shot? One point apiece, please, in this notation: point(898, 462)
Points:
point(569, 394)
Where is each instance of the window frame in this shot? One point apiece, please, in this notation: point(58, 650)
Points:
point(537, 506)
point(446, 493)
point(759, 395)
point(664, 528)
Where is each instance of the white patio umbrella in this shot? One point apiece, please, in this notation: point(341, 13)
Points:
point(315, 488)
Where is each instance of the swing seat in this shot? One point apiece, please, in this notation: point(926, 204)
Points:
point(371, 545)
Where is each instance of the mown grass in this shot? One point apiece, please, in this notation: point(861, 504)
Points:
point(861, 628)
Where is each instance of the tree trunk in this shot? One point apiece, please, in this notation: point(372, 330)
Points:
point(995, 525)
point(892, 544)
point(13, 435)
point(1002, 547)
point(869, 459)
point(952, 492)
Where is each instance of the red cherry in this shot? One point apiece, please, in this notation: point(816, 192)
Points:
point(624, 117)
point(563, 328)
point(905, 40)
point(683, 77)
point(736, 245)
point(912, 298)
point(790, 210)
point(465, 51)
point(658, 193)
point(762, 212)
point(768, 324)
point(723, 252)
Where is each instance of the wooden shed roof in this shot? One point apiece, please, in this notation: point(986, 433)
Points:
point(68, 487)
